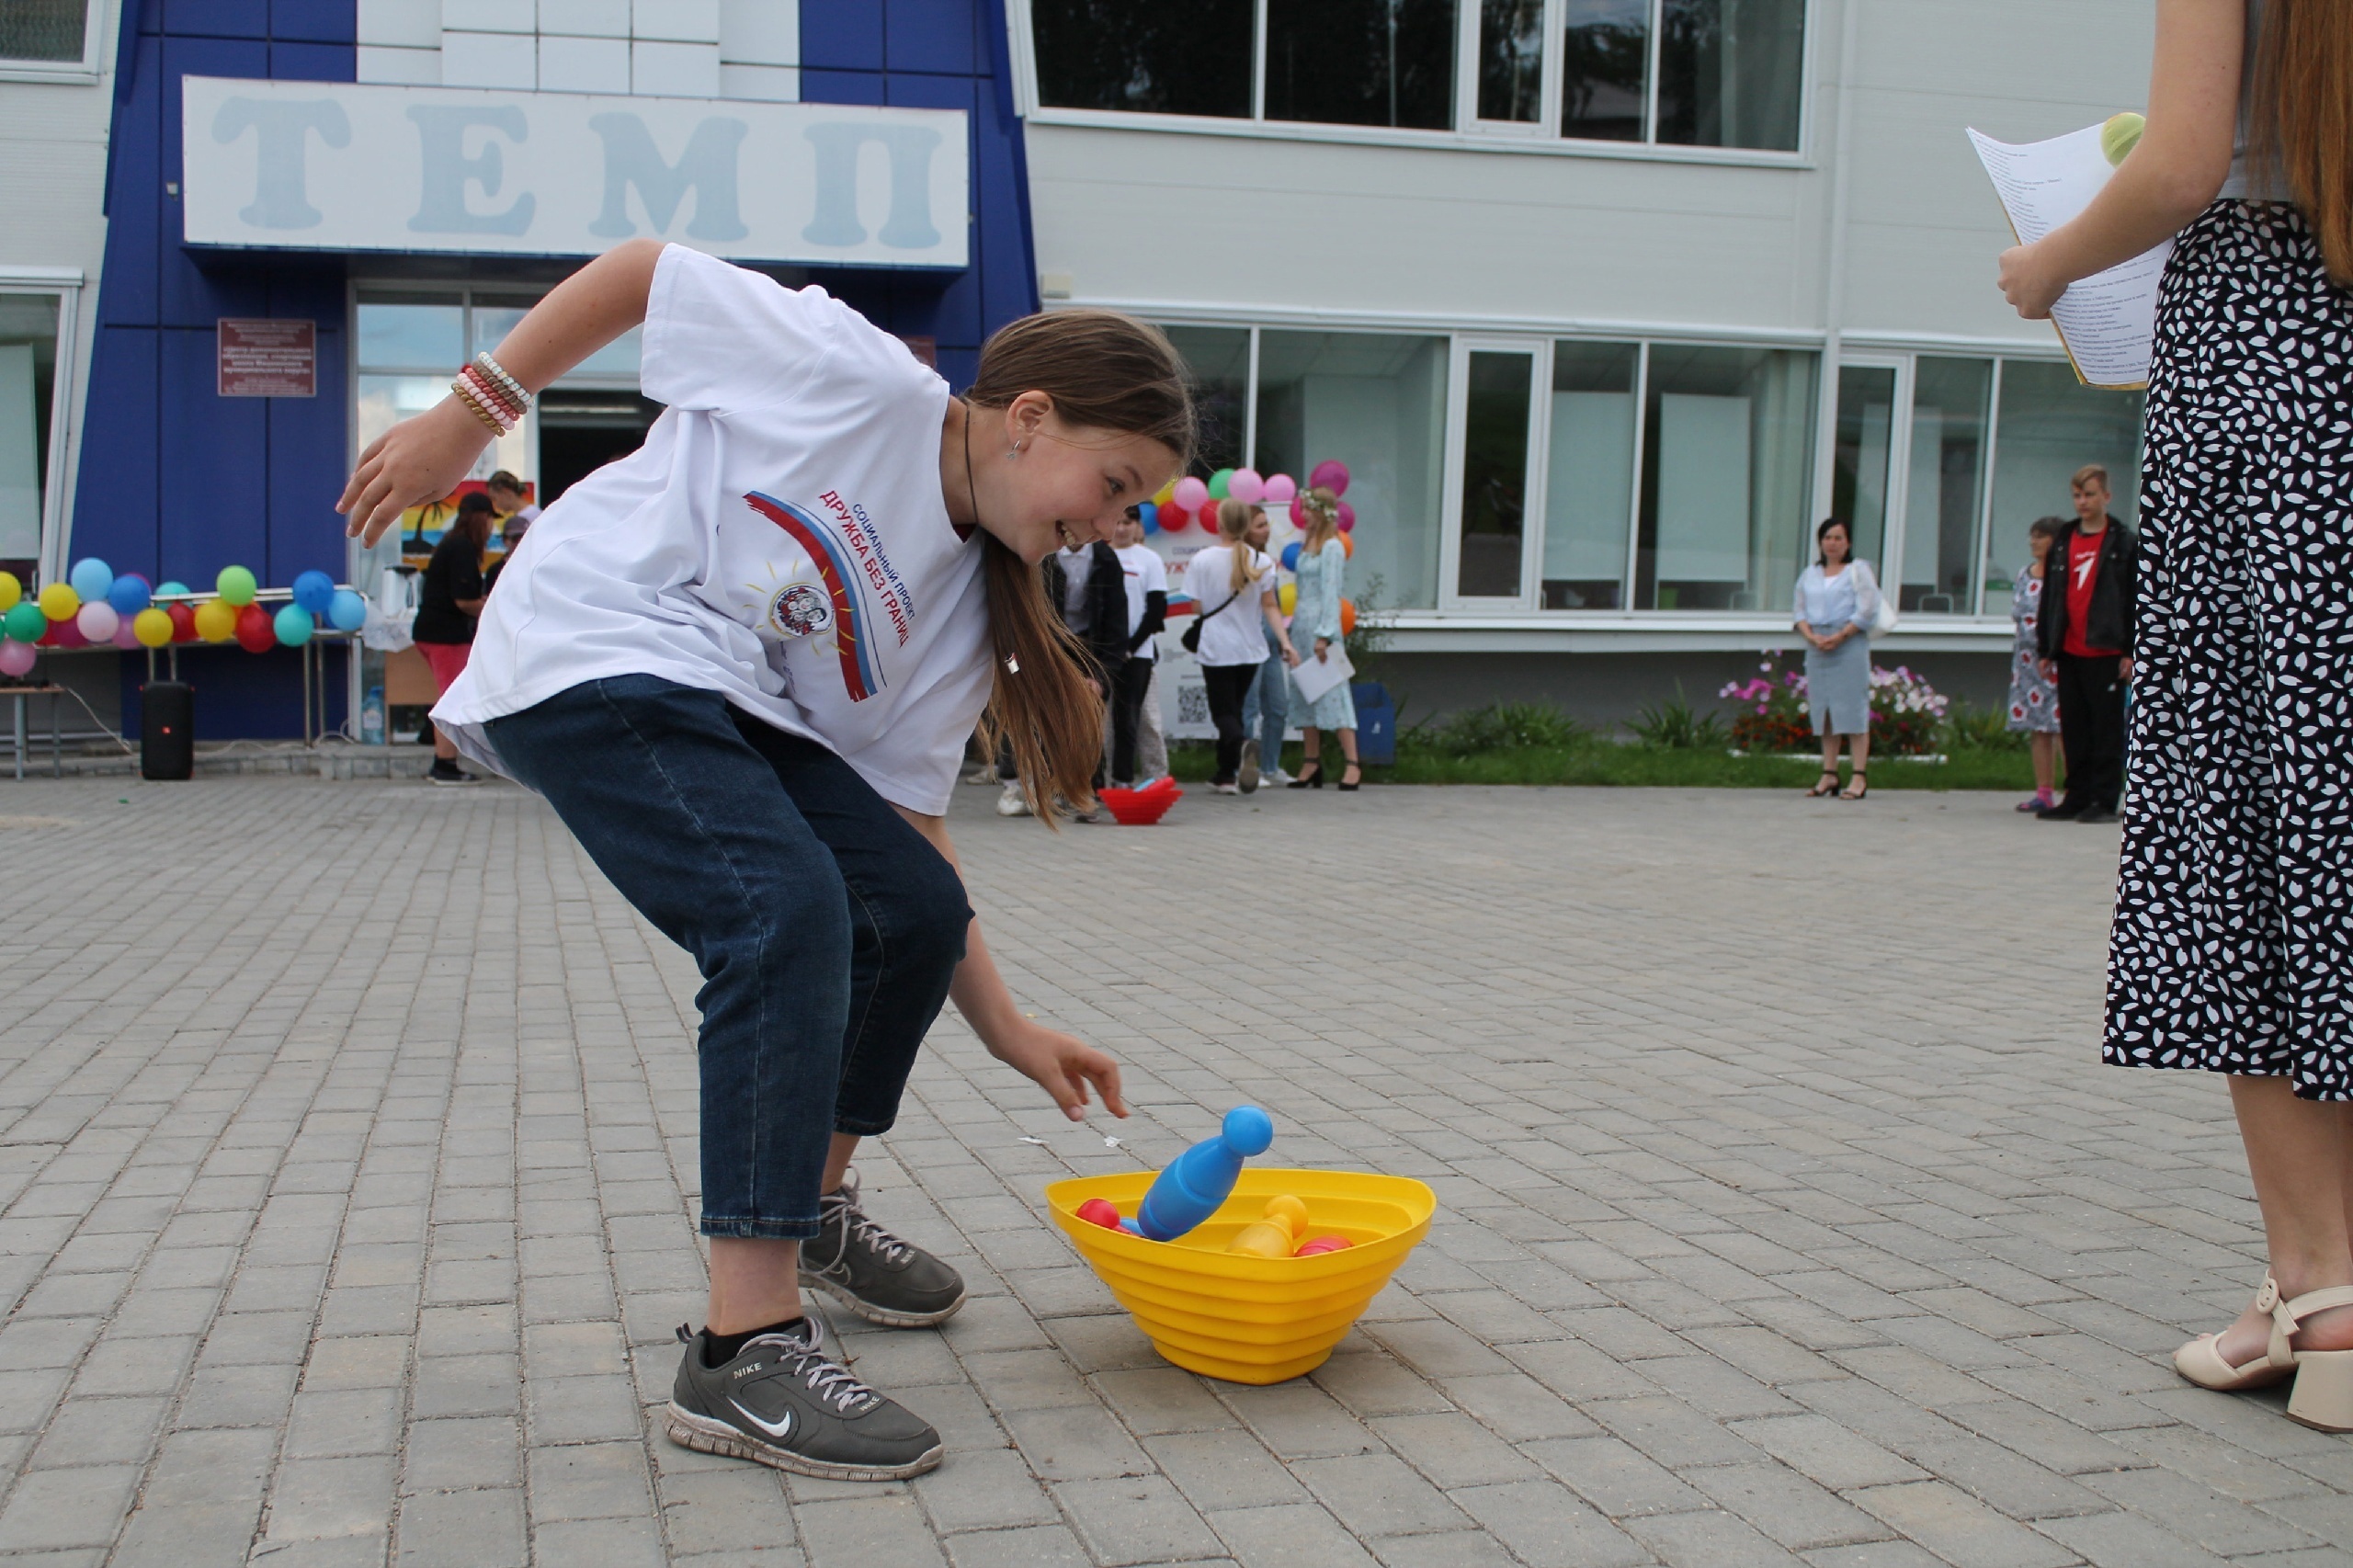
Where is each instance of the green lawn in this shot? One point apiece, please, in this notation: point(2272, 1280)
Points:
point(1593, 761)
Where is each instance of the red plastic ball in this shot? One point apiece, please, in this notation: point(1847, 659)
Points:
point(256, 633)
point(183, 621)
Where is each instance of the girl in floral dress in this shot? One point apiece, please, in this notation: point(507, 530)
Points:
point(2034, 701)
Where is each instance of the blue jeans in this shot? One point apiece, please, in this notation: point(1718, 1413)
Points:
point(1267, 710)
point(825, 927)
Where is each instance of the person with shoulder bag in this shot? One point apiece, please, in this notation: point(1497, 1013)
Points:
point(1228, 575)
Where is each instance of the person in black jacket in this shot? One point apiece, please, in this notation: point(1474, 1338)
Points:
point(1146, 580)
point(2085, 633)
point(450, 601)
point(1086, 585)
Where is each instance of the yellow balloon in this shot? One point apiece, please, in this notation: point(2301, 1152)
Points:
point(1165, 494)
point(58, 601)
point(10, 592)
point(152, 627)
point(216, 620)
point(1288, 597)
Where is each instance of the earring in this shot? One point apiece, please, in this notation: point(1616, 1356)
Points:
point(1014, 451)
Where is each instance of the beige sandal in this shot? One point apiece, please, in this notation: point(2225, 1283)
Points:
point(2323, 1398)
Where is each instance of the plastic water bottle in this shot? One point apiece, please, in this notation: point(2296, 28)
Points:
point(371, 717)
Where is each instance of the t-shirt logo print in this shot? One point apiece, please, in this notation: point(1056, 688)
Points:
point(861, 675)
point(802, 611)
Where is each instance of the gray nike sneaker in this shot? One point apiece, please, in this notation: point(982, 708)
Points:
point(873, 1273)
point(783, 1401)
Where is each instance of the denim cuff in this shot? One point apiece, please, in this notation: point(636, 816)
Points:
point(760, 1230)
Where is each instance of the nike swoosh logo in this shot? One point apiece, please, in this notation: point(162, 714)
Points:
point(774, 1429)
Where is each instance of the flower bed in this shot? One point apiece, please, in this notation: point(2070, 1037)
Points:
point(1906, 711)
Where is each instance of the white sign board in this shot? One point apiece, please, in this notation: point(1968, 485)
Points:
point(333, 165)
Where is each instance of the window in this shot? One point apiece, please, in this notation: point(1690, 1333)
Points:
point(27, 379)
point(1860, 457)
point(1727, 464)
point(1673, 73)
point(1143, 56)
point(1495, 472)
point(47, 32)
point(1378, 404)
point(1589, 475)
point(1946, 488)
point(1219, 357)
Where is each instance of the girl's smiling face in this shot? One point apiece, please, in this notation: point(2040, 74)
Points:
point(1043, 484)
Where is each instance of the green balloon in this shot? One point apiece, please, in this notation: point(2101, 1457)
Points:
point(25, 623)
point(1220, 483)
point(236, 586)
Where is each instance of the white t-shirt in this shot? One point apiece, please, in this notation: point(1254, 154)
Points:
point(781, 540)
point(1077, 566)
point(1236, 634)
point(1145, 574)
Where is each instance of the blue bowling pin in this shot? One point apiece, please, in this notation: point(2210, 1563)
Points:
point(1200, 1178)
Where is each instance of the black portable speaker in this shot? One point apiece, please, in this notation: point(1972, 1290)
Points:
point(167, 729)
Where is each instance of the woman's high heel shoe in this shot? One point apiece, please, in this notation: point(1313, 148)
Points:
point(1344, 786)
point(1307, 780)
point(2322, 1397)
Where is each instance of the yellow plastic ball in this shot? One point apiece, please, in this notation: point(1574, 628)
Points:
point(10, 592)
point(216, 620)
point(58, 601)
point(1288, 597)
point(152, 627)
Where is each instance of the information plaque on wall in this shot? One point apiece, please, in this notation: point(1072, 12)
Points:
point(269, 358)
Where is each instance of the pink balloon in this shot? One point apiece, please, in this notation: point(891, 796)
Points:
point(16, 658)
point(124, 636)
point(1191, 492)
point(1281, 489)
point(1331, 474)
point(1347, 518)
point(1245, 486)
point(96, 622)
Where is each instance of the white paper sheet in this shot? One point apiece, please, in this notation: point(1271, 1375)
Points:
point(1315, 676)
point(2106, 321)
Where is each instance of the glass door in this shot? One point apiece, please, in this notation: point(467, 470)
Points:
point(1865, 460)
point(1499, 468)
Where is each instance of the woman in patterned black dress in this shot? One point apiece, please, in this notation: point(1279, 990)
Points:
point(2233, 946)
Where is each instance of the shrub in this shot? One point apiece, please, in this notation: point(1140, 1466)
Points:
point(1675, 725)
point(1499, 726)
point(1907, 713)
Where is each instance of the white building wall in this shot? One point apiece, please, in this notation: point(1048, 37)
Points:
point(1289, 222)
point(700, 48)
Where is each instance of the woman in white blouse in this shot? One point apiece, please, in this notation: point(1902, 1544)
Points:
point(1232, 589)
point(1838, 599)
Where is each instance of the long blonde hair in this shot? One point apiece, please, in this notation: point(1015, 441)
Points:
point(2303, 126)
point(1105, 371)
point(1233, 519)
point(1321, 510)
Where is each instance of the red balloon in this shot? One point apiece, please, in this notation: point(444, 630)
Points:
point(1173, 516)
point(65, 634)
point(256, 634)
point(183, 622)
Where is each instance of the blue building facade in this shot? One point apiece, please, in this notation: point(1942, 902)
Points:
point(177, 480)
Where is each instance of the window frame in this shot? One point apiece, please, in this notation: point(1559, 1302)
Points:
point(82, 71)
point(1470, 133)
point(1532, 482)
point(64, 285)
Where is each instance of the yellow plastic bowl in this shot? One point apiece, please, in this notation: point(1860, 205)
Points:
point(1251, 1320)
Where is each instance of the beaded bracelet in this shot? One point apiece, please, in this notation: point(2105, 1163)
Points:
point(519, 398)
point(480, 407)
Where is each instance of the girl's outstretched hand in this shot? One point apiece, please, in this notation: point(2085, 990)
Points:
point(1063, 1065)
point(417, 461)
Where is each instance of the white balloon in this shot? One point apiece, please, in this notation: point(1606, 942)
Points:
point(97, 620)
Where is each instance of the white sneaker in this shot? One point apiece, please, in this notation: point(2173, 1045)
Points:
point(985, 774)
point(1226, 788)
point(1273, 779)
point(1013, 803)
point(1249, 779)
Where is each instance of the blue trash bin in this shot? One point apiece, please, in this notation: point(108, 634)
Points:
point(1376, 722)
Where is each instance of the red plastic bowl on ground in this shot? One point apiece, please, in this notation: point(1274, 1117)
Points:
point(1141, 808)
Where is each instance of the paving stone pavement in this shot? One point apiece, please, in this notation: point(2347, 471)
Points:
point(346, 1183)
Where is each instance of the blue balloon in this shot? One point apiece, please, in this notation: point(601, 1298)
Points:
point(170, 586)
point(1150, 516)
point(1290, 556)
point(347, 611)
point(314, 591)
point(91, 578)
point(294, 626)
point(129, 596)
